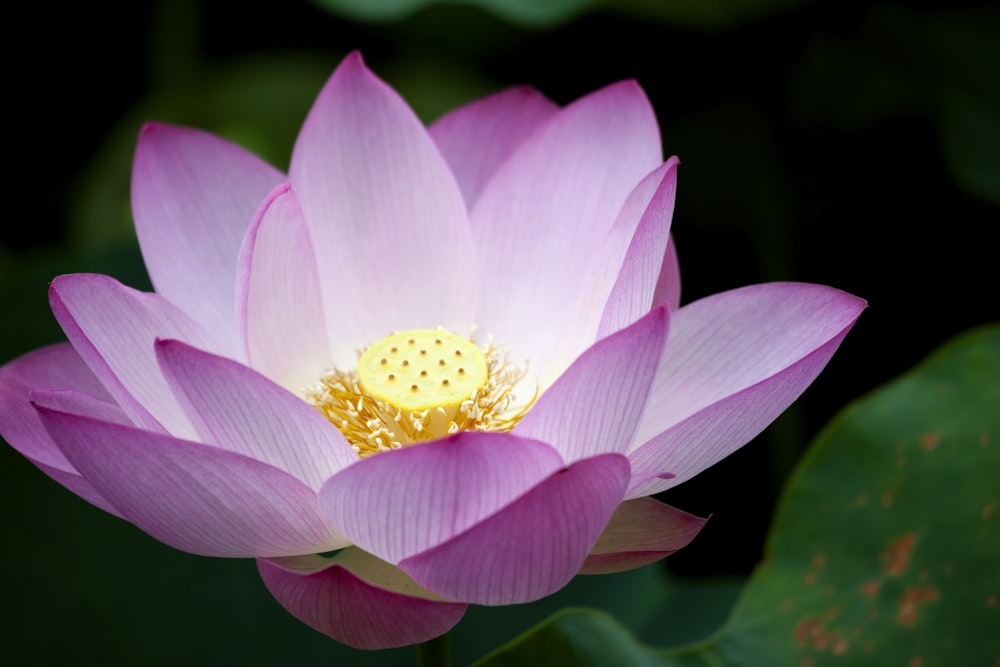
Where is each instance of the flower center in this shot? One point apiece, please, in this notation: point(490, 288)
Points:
point(420, 385)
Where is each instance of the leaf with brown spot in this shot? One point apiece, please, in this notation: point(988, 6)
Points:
point(910, 602)
point(896, 557)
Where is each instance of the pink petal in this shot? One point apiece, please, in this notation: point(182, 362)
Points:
point(541, 221)
point(57, 368)
point(385, 215)
point(401, 502)
point(477, 138)
point(113, 328)
point(280, 305)
point(60, 367)
point(236, 408)
point(598, 283)
point(734, 361)
point(194, 497)
point(358, 600)
point(77, 403)
point(640, 532)
point(533, 547)
point(668, 286)
point(193, 196)
point(632, 294)
point(57, 467)
point(596, 406)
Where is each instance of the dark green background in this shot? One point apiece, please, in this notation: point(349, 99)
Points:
point(856, 146)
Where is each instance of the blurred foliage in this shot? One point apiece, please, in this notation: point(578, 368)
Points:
point(941, 65)
point(970, 143)
point(694, 14)
point(529, 12)
point(884, 548)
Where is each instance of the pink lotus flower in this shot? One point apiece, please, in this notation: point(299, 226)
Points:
point(229, 414)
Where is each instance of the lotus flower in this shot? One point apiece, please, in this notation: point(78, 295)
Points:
point(428, 367)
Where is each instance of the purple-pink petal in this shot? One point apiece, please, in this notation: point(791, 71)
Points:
point(633, 291)
point(278, 299)
point(733, 362)
point(78, 403)
point(43, 452)
point(55, 464)
point(358, 602)
point(640, 532)
point(193, 195)
point(535, 545)
point(668, 285)
point(402, 502)
point(235, 408)
point(194, 497)
point(57, 368)
point(385, 215)
point(477, 138)
point(540, 223)
point(113, 328)
point(596, 406)
point(602, 286)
